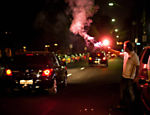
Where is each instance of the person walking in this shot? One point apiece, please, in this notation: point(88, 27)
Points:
point(130, 71)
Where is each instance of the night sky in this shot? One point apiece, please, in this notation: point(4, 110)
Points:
point(36, 22)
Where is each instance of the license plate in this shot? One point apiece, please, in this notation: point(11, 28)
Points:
point(26, 82)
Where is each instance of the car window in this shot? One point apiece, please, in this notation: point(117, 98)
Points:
point(146, 56)
point(36, 59)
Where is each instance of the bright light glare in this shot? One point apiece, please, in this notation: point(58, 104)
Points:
point(9, 72)
point(111, 4)
point(105, 42)
point(117, 36)
point(24, 47)
point(113, 20)
point(116, 30)
point(90, 38)
point(47, 46)
point(55, 44)
point(69, 75)
point(82, 68)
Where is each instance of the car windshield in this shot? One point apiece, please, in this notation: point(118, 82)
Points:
point(146, 56)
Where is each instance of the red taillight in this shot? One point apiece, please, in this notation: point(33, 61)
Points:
point(98, 54)
point(47, 72)
point(145, 66)
point(29, 54)
point(145, 71)
point(90, 58)
point(65, 68)
point(104, 58)
point(8, 72)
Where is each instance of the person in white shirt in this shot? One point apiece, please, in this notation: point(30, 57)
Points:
point(130, 71)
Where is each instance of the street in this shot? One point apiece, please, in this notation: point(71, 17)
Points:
point(52, 44)
point(90, 91)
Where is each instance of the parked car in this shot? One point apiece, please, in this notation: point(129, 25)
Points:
point(32, 70)
point(143, 79)
point(98, 58)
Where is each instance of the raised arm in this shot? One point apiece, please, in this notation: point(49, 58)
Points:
point(118, 53)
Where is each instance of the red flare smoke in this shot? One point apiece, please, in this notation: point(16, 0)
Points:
point(82, 11)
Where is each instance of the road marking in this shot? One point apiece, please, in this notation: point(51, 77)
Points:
point(70, 74)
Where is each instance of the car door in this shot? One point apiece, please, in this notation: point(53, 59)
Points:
point(144, 67)
point(145, 95)
point(145, 63)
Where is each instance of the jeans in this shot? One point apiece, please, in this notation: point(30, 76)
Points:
point(126, 91)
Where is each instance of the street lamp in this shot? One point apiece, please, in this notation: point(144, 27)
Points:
point(55, 44)
point(117, 36)
point(116, 30)
point(24, 48)
point(47, 46)
point(111, 4)
point(113, 20)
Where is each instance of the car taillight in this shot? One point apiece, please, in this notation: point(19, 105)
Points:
point(145, 70)
point(90, 58)
point(104, 58)
point(98, 54)
point(65, 68)
point(8, 72)
point(145, 66)
point(47, 72)
point(29, 54)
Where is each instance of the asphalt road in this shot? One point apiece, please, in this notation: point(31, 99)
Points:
point(90, 91)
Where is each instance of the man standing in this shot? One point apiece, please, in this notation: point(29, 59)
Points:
point(130, 71)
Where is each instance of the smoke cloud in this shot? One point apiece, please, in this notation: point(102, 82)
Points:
point(82, 11)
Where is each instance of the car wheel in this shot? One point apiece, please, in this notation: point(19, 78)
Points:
point(53, 89)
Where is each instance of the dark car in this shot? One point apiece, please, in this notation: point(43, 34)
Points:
point(98, 58)
point(32, 70)
point(143, 79)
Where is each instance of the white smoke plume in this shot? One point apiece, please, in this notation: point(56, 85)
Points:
point(82, 11)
